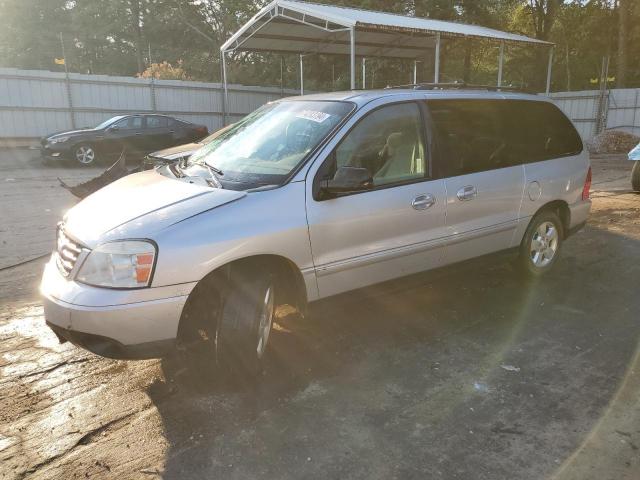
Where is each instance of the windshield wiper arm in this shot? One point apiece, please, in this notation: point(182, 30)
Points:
point(215, 170)
point(214, 179)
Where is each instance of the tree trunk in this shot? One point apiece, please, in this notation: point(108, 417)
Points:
point(137, 31)
point(623, 29)
point(466, 73)
point(543, 16)
point(567, 66)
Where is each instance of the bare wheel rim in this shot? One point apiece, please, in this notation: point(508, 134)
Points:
point(544, 244)
point(85, 154)
point(266, 321)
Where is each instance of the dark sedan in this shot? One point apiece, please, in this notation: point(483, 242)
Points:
point(137, 134)
point(180, 152)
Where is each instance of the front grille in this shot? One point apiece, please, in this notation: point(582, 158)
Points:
point(67, 251)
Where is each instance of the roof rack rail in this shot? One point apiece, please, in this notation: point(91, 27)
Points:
point(460, 86)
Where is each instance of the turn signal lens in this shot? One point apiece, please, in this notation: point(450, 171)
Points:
point(144, 262)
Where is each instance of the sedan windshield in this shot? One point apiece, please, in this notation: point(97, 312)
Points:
point(106, 123)
point(267, 145)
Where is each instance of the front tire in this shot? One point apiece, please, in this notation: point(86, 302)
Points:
point(635, 176)
point(541, 244)
point(85, 154)
point(245, 323)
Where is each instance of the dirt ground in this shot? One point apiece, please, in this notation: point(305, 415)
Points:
point(461, 373)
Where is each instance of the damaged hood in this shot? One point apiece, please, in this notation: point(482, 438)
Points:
point(176, 153)
point(138, 205)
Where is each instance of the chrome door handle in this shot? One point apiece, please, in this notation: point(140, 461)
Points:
point(422, 202)
point(467, 193)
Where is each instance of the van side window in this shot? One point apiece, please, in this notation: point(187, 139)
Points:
point(479, 135)
point(471, 136)
point(389, 143)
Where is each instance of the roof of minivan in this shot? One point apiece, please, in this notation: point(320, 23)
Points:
point(361, 97)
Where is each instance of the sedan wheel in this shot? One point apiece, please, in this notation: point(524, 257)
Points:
point(85, 154)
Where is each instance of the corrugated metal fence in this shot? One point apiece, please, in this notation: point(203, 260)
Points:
point(593, 111)
point(34, 103)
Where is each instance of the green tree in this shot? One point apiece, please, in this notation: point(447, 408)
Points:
point(124, 37)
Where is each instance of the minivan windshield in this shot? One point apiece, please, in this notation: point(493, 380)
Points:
point(268, 144)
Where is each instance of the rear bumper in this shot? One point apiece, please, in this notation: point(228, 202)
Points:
point(113, 323)
point(579, 215)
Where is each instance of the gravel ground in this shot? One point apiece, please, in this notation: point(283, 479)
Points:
point(32, 203)
point(465, 372)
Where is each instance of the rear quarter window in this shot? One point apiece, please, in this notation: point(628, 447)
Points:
point(542, 129)
point(478, 135)
point(157, 122)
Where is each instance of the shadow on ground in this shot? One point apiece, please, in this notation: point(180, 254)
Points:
point(466, 372)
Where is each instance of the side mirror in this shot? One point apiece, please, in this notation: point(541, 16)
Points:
point(348, 180)
point(113, 128)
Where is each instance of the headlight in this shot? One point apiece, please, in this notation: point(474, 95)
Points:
point(123, 264)
point(58, 140)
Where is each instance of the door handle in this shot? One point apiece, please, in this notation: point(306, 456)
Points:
point(467, 193)
point(422, 202)
point(138, 133)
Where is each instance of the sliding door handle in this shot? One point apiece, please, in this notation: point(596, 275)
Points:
point(467, 193)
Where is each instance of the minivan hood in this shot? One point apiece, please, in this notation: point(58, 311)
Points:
point(138, 205)
point(180, 151)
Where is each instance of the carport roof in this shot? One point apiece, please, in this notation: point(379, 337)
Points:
point(288, 26)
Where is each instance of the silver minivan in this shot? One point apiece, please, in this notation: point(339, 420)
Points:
point(306, 198)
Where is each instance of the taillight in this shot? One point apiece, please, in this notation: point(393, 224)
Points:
point(586, 190)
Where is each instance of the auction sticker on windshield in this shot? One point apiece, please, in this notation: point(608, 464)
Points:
point(313, 115)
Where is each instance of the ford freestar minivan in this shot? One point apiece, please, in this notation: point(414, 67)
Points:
point(306, 198)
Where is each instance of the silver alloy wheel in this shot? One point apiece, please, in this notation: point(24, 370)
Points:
point(266, 320)
point(85, 154)
point(544, 244)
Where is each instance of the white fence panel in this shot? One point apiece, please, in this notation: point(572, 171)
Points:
point(621, 109)
point(623, 112)
point(34, 103)
point(581, 108)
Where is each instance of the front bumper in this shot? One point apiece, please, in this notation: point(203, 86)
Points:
point(55, 152)
point(132, 324)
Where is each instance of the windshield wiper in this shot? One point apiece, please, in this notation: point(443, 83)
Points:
point(217, 171)
point(214, 179)
point(176, 170)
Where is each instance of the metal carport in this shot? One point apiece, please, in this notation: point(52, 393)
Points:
point(294, 27)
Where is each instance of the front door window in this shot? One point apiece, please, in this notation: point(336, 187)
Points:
point(388, 142)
